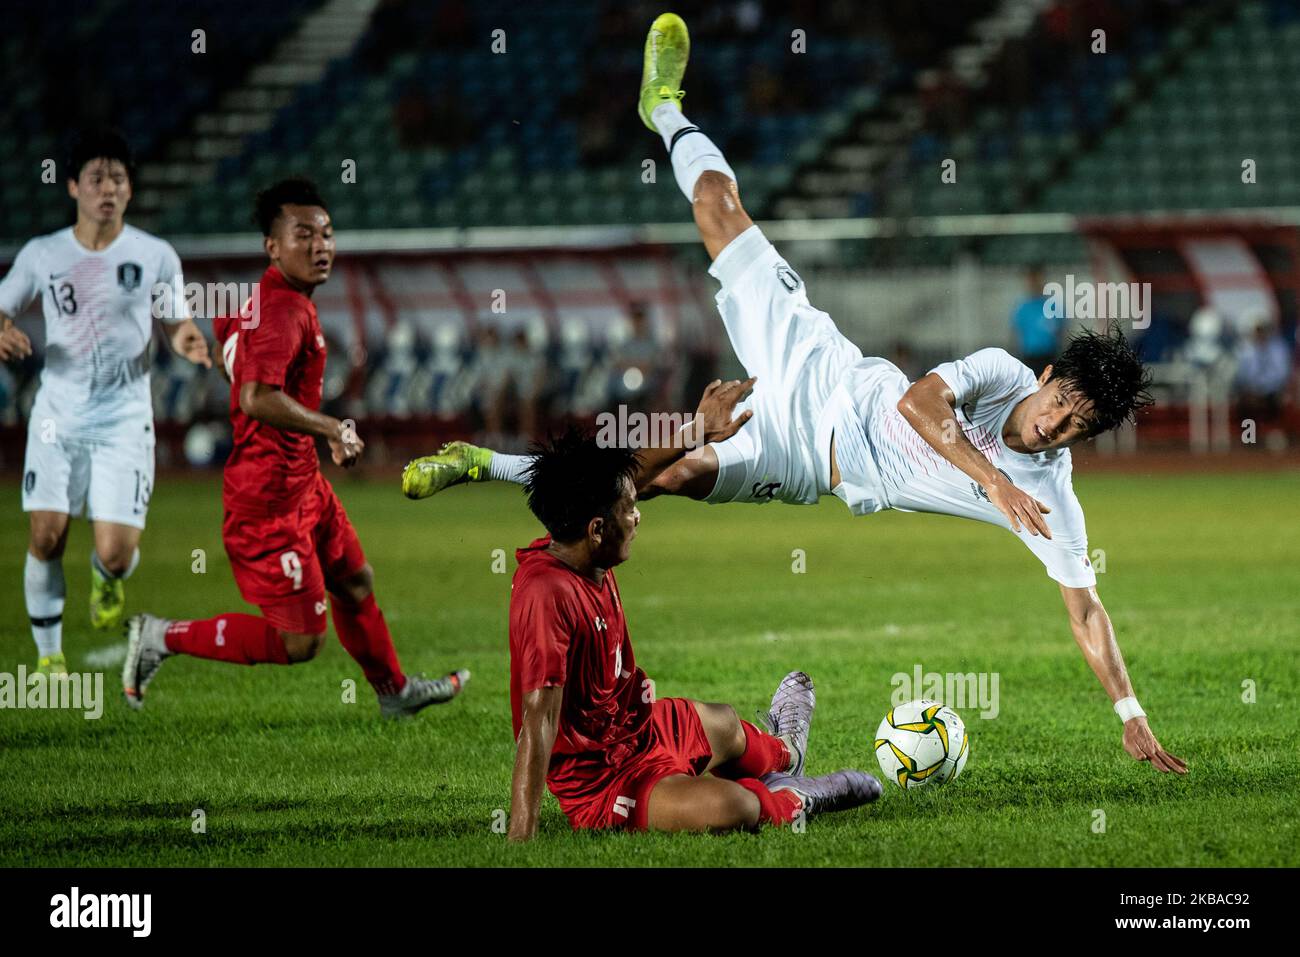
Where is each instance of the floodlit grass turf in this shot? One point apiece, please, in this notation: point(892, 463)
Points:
point(1201, 580)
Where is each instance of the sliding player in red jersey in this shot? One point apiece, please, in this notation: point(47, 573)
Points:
point(286, 533)
point(586, 719)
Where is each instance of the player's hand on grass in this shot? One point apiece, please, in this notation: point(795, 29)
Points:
point(1142, 745)
point(346, 445)
point(1021, 509)
point(14, 344)
point(188, 341)
point(716, 408)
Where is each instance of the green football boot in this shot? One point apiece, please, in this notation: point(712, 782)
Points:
point(107, 600)
point(54, 664)
point(455, 463)
point(667, 46)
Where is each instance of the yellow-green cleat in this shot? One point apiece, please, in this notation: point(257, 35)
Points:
point(54, 664)
point(107, 601)
point(667, 47)
point(455, 464)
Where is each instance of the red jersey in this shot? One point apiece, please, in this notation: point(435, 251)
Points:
point(279, 343)
point(567, 630)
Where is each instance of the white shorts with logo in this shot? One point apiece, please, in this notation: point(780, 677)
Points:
point(110, 481)
point(799, 358)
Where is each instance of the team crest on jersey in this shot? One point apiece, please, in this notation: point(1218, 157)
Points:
point(129, 275)
point(789, 278)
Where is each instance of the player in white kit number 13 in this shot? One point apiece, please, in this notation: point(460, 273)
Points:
point(90, 435)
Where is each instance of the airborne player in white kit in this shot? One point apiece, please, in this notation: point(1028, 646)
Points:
point(90, 437)
point(980, 437)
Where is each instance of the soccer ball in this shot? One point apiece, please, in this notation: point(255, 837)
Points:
point(922, 743)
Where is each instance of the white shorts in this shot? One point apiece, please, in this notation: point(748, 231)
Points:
point(110, 481)
point(798, 356)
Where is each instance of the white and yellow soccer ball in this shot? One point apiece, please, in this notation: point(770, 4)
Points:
point(922, 743)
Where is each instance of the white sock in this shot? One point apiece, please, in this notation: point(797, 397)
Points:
point(690, 150)
point(99, 566)
point(509, 468)
point(45, 590)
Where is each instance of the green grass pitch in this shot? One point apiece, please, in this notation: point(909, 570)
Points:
point(1201, 581)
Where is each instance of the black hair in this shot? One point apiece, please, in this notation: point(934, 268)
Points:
point(572, 479)
point(1103, 367)
point(294, 191)
point(98, 143)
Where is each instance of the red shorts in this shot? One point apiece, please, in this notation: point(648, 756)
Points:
point(595, 795)
point(283, 563)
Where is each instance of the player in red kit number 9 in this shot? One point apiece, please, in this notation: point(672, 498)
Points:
point(586, 720)
point(286, 533)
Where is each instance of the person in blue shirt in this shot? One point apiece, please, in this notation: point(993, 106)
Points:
point(1037, 329)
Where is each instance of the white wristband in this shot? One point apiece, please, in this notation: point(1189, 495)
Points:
point(1128, 708)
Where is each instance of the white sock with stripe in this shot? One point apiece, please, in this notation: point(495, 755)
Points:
point(690, 150)
point(44, 589)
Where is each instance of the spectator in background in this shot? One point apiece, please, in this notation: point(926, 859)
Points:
point(1264, 363)
point(1036, 327)
point(491, 368)
point(637, 371)
point(526, 378)
point(509, 377)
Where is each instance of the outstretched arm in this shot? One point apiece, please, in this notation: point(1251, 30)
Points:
point(537, 730)
point(712, 423)
point(1096, 639)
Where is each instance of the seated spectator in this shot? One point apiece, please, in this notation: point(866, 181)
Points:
point(1264, 362)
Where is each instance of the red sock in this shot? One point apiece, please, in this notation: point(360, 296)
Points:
point(774, 807)
point(364, 633)
point(763, 753)
point(239, 639)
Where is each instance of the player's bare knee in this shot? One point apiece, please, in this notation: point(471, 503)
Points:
point(356, 587)
point(727, 731)
point(115, 560)
point(739, 808)
point(301, 646)
point(48, 534)
point(46, 544)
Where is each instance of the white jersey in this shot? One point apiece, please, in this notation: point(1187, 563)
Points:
point(885, 463)
point(98, 329)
